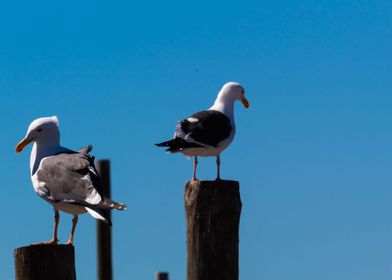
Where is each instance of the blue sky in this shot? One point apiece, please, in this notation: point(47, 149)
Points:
point(313, 153)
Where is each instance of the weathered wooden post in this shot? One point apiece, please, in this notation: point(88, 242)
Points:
point(213, 210)
point(104, 231)
point(45, 262)
point(162, 276)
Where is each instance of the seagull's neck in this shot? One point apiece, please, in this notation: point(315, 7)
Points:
point(41, 150)
point(225, 106)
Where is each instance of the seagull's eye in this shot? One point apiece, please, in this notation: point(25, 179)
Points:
point(242, 91)
point(39, 129)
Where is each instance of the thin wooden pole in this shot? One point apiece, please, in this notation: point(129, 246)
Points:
point(213, 210)
point(162, 276)
point(45, 262)
point(104, 231)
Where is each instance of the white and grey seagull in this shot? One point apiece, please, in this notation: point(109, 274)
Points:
point(208, 133)
point(66, 179)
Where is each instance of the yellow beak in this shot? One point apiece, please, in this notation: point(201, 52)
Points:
point(21, 145)
point(245, 102)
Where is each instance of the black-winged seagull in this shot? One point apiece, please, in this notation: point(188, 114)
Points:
point(66, 179)
point(208, 133)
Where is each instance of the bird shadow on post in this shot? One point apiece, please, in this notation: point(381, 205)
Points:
point(213, 210)
point(45, 262)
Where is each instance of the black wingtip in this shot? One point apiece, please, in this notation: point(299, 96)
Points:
point(168, 143)
point(164, 144)
point(177, 144)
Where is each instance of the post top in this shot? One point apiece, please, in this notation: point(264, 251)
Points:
point(46, 247)
point(215, 182)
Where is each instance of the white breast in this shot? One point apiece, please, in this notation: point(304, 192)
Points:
point(34, 178)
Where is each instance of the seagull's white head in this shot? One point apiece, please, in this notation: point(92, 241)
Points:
point(231, 92)
point(42, 130)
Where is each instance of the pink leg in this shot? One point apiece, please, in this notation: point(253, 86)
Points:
point(195, 162)
point(54, 240)
point(74, 222)
point(218, 162)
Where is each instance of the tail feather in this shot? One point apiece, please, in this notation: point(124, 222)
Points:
point(107, 203)
point(177, 144)
point(101, 211)
point(86, 150)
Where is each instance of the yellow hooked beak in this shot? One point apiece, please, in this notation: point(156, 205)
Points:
point(21, 145)
point(245, 102)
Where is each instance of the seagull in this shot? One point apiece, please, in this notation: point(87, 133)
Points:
point(208, 133)
point(67, 179)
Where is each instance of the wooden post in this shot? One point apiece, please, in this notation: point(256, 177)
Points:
point(213, 210)
point(162, 276)
point(104, 231)
point(45, 262)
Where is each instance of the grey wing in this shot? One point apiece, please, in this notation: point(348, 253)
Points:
point(70, 178)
